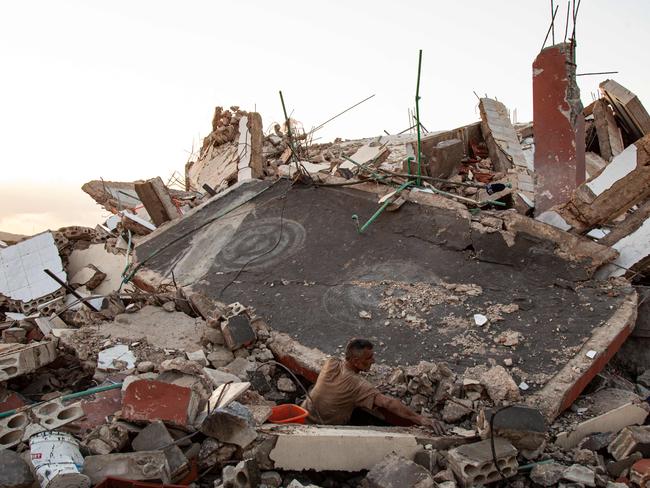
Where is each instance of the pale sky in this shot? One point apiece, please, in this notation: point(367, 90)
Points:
point(122, 89)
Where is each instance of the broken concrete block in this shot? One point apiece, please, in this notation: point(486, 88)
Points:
point(157, 201)
point(640, 472)
point(302, 360)
point(547, 474)
point(428, 459)
point(105, 439)
point(559, 126)
point(473, 463)
point(499, 385)
point(220, 357)
point(14, 472)
point(395, 472)
point(198, 357)
point(525, 427)
point(219, 377)
point(237, 332)
point(580, 474)
point(612, 421)
point(456, 409)
point(300, 447)
point(137, 466)
point(631, 439)
point(149, 400)
point(617, 468)
point(240, 367)
point(14, 335)
point(154, 437)
point(443, 160)
point(244, 475)
point(629, 109)
point(233, 424)
point(623, 183)
point(272, 479)
point(610, 140)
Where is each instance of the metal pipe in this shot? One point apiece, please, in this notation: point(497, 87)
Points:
point(70, 290)
point(417, 116)
point(383, 207)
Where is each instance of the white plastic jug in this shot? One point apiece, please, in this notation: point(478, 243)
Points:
point(57, 460)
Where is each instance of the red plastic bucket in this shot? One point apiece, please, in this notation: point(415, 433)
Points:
point(288, 414)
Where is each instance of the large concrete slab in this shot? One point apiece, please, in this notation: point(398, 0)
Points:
point(422, 273)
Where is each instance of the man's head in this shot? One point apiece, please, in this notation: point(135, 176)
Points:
point(359, 354)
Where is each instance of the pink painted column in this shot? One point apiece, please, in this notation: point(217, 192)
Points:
point(559, 127)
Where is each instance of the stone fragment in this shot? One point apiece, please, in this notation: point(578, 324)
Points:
point(456, 409)
point(212, 452)
point(428, 459)
point(149, 400)
point(499, 385)
point(244, 475)
point(629, 440)
point(14, 472)
point(397, 472)
point(106, 439)
point(198, 357)
point(14, 335)
point(547, 474)
point(233, 424)
point(237, 332)
point(145, 367)
point(272, 479)
point(240, 367)
point(286, 385)
point(473, 463)
point(580, 474)
point(616, 468)
point(218, 377)
point(525, 427)
point(137, 466)
point(596, 442)
point(220, 356)
point(155, 437)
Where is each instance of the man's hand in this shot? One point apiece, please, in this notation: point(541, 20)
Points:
point(434, 425)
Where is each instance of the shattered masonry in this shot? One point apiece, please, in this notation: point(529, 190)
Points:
point(506, 296)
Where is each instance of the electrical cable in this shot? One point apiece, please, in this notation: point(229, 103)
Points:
point(494, 454)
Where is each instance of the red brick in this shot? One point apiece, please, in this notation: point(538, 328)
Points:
point(640, 473)
point(559, 127)
point(147, 400)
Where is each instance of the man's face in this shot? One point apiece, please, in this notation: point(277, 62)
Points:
point(365, 360)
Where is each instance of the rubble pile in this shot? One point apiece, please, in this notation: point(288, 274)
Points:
point(131, 356)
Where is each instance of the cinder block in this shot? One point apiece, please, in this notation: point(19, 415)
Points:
point(48, 416)
point(137, 466)
point(149, 400)
point(473, 464)
point(237, 332)
point(17, 360)
point(244, 475)
point(629, 440)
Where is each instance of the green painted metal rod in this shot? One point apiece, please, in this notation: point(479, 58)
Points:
point(71, 396)
point(383, 207)
point(417, 116)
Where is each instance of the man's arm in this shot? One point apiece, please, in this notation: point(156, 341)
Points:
point(398, 408)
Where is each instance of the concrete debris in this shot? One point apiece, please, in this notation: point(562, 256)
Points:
point(200, 324)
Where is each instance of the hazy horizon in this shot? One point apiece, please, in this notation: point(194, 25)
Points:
point(122, 90)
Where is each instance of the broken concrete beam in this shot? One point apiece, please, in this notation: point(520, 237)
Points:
point(559, 126)
point(233, 424)
point(629, 440)
point(302, 360)
point(395, 472)
point(630, 238)
point(629, 109)
point(610, 140)
point(304, 447)
point(623, 183)
point(500, 136)
point(473, 463)
point(563, 389)
point(156, 200)
point(237, 332)
point(136, 224)
point(137, 466)
point(594, 164)
point(524, 427)
point(612, 421)
point(149, 400)
point(18, 359)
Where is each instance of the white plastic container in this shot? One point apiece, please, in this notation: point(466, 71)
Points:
point(57, 460)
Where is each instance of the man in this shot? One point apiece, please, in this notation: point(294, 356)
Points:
point(339, 390)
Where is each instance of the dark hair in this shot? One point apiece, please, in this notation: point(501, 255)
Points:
point(355, 346)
